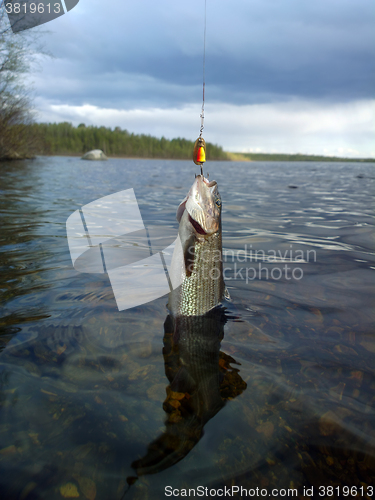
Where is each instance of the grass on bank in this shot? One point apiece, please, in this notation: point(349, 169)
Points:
point(293, 157)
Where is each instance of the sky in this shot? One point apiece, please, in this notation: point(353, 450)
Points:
point(288, 76)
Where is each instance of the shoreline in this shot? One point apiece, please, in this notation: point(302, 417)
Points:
point(233, 157)
point(240, 157)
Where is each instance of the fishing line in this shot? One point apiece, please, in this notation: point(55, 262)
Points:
point(204, 67)
point(199, 152)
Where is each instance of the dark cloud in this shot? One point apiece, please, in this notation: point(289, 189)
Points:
point(150, 54)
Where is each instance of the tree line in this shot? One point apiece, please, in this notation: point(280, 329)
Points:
point(66, 139)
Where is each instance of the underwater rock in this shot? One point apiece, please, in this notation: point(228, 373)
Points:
point(9, 450)
point(369, 345)
point(266, 428)
point(69, 490)
point(328, 424)
point(87, 486)
point(27, 490)
point(156, 392)
point(95, 154)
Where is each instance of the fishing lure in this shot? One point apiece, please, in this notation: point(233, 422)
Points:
point(199, 152)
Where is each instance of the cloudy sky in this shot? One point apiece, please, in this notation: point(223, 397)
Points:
point(281, 75)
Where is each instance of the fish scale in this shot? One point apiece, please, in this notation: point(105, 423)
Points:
point(204, 288)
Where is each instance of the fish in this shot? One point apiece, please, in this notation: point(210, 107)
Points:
point(197, 258)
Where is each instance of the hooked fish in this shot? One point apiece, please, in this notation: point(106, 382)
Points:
point(197, 258)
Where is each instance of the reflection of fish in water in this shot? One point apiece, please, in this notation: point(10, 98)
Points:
point(201, 378)
point(201, 381)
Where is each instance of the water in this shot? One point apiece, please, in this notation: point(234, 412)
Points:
point(285, 400)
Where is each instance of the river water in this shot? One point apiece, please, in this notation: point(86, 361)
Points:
point(91, 404)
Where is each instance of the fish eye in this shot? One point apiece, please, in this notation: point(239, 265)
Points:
point(218, 202)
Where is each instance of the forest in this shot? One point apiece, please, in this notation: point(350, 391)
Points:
point(65, 139)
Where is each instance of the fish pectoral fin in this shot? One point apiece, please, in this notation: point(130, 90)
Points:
point(189, 255)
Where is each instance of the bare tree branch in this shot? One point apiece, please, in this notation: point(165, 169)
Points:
point(18, 57)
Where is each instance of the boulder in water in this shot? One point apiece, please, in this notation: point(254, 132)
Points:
point(95, 154)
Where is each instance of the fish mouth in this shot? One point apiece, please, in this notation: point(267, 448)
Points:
point(198, 228)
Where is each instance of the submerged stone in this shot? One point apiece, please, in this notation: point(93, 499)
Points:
point(87, 486)
point(69, 490)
